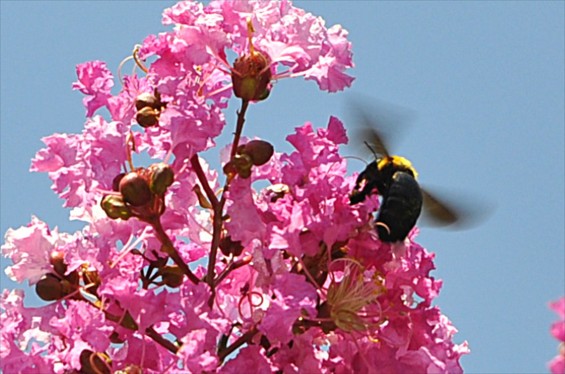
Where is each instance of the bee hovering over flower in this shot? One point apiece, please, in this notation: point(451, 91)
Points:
point(395, 180)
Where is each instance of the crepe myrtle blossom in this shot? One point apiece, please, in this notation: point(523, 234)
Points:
point(557, 364)
point(288, 40)
point(261, 266)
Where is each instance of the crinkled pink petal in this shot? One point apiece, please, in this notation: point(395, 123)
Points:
point(29, 248)
point(250, 359)
point(293, 295)
point(95, 81)
point(248, 225)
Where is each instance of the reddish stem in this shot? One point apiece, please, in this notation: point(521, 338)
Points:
point(150, 331)
point(195, 162)
point(168, 248)
point(239, 127)
point(219, 208)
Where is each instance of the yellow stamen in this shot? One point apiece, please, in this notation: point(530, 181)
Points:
point(349, 298)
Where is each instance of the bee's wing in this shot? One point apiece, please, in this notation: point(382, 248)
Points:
point(376, 122)
point(455, 210)
point(373, 140)
point(438, 212)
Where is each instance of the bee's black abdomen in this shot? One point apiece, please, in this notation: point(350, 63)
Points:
point(400, 208)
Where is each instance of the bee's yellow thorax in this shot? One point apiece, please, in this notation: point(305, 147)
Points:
point(397, 162)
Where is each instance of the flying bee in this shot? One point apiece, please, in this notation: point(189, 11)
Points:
point(394, 179)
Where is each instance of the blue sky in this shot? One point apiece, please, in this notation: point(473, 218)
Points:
point(484, 80)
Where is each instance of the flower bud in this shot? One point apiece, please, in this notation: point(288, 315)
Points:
point(57, 260)
point(115, 207)
point(251, 76)
point(230, 170)
point(135, 189)
point(243, 164)
point(147, 117)
point(161, 177)
point(116, 182)
point(260, 151)
point(147, 100)
point(202, 199)
point(49, 288)
point(245, 173)
point(172, 275)
point(228, 246)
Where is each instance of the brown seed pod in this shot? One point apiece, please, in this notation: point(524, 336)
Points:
point(260, 151)
point(135, 189)
point(49, 288)
point(147, 117)
point(147, 100)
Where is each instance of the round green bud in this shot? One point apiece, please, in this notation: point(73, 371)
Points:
point(115, 207)
point(161, 177)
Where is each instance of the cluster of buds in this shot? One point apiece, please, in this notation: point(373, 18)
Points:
point(253, 153)
point(149, 108)
point(57, 285)
point(139, 193)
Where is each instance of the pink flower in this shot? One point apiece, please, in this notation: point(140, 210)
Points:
point(29, 248)
point(297, 43)
point(557, 364)
point(250, 359)
point(181, 268)
point(95, 81)
point(292, 296)
point(25, 336)
point(81, 165)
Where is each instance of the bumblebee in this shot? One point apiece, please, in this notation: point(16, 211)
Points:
point(394, 179)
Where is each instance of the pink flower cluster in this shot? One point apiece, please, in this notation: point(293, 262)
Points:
point(557, 364)
point(263, 266)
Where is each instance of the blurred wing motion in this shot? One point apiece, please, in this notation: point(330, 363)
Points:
point(454, 211)
point(439, 212)
point(377, 123)
point(371, 137)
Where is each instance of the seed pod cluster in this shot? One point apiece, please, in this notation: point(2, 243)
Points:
point(139, 193)
point(149, 107)
point(56, 284)
point(253, 153)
